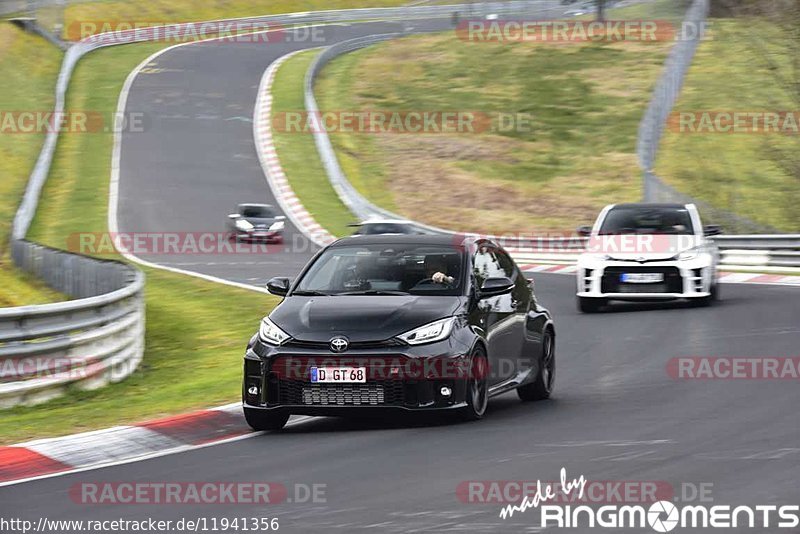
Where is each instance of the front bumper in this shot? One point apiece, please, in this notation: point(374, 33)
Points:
point(259, 235)
point(399, 378)
point(681, 279)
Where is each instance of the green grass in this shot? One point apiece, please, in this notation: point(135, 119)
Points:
point(28, 67)
point(735, 171)
point(586, 101)
point(298, 153)
point(195, 335)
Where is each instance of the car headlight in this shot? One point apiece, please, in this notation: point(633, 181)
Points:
point(689, 254)
point(243, 225)
point(271, 334)
point(277, 225)
point(435, 331)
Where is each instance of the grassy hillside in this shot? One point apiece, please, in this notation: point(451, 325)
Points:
point(577, 154)
point(737, 171)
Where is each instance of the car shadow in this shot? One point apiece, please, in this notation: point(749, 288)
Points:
point(627, 307)
point(501, 407)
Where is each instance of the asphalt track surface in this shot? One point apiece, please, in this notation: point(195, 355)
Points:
point(616, 414)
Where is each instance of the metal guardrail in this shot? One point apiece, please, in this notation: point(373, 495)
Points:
point(85, 343)
point(348, 194)
point(774, 252)
point(88, 342)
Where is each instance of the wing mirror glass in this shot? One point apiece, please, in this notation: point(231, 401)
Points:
point(712, 229)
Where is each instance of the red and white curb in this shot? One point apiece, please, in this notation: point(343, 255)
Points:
point(268, 156)
point(123, 444)
point(725, 278)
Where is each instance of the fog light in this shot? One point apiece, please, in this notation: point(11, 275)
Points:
point(446, 391)
point(252, 390)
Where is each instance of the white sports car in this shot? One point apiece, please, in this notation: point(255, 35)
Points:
point(647, 252)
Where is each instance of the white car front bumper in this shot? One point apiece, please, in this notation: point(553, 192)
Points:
point(600, 278)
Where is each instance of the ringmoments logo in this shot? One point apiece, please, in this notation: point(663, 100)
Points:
point(660, 516)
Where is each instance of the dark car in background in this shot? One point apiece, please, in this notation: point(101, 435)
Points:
point(399, 323)
point(256, 222)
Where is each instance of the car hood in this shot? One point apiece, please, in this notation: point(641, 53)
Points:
point(360, 317)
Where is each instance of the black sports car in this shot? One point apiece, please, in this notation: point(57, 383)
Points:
point(256, 222)
point(399, 322)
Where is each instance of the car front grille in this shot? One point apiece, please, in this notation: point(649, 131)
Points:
point(325, 345)
point(383, 393)
point(610, 283)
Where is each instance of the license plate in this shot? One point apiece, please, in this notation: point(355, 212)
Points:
point(641, 278)
point(339, 375)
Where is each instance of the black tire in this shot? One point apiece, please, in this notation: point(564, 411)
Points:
point(542, 387)
point(477, 394)
point(590, 305)
point(264, 420)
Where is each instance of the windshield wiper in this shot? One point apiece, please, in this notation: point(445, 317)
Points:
point(374, 292)
point(310, 293)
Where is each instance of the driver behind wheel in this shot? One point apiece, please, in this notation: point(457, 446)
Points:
point(436, 270)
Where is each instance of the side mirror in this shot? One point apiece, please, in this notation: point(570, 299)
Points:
point(280, 217)
point(278, 286)
point(495, 286)
point(531, 284)
point(233, 216)
point(712, 229)
point(584, 231)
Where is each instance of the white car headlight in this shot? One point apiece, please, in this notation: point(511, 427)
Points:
point(689, 254)
point(277, 225)
point(243, 225)
point(271, 334)
point(435, 331)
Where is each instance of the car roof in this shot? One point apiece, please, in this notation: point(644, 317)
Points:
point(251, 205)
point(645, 205)
point(407, 239)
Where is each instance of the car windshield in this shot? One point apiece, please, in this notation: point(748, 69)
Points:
point(385, 269)
point(646, 220)
point(256, 212)
point(383, 228)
